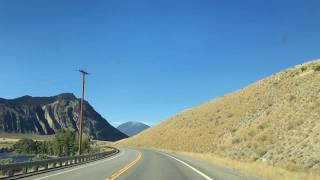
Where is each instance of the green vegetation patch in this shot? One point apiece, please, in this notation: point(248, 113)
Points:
point(64, 143)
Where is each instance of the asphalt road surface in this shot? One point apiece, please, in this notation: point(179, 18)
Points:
point(141, 164)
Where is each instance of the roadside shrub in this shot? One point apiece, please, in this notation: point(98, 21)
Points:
point(25, 146)
point(292, 124)
point(303, 69)
point(235, 141)
point(317, 68)
point(292, 98)
point(260, 151)
point(262, 126)
point(230, 115)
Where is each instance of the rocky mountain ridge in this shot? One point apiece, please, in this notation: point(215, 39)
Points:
point(45, 115)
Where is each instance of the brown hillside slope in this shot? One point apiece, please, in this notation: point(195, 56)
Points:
point(275, 120)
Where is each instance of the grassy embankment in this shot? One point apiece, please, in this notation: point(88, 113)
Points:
point(269, 128)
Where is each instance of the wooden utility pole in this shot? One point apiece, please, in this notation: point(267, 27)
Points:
point(84, 73)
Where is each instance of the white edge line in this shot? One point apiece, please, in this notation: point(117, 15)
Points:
point(194, 169)
point(99, 162)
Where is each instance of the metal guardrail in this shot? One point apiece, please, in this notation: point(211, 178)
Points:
point(10, 170)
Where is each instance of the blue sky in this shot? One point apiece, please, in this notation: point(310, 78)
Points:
point(150, 59)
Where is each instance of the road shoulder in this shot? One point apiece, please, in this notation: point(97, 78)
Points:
point(210, 169)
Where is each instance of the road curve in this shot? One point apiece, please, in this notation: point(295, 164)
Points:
point(141, 164)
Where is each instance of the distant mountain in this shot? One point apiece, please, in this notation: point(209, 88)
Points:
point(275, 120)
point(132, 128)
point(45, 115)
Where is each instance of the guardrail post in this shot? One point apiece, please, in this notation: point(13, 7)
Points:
point(60, 163)
point(10, 172)
point(25, 170)
point(36, 168)
point(53, 164)
point(46, 166)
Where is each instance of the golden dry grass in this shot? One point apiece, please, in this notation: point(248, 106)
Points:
point(256, 168)
point(18, 136)
point(275, 121)
point(7, 142)
point(7, 139)
point(103, 146)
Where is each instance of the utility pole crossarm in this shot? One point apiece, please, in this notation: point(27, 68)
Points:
point(84, 73)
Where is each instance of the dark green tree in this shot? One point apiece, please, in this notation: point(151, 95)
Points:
point(87, 145)
point(64, 143)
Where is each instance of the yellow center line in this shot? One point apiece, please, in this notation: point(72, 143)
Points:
point(124, 169)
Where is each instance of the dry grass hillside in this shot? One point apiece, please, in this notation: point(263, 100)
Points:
point(275, 120)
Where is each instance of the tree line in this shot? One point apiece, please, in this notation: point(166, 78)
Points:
point(64, 143)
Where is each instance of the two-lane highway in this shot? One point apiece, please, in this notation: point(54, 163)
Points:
point(141, 164)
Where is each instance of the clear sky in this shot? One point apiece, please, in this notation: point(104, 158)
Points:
point(150, 59)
